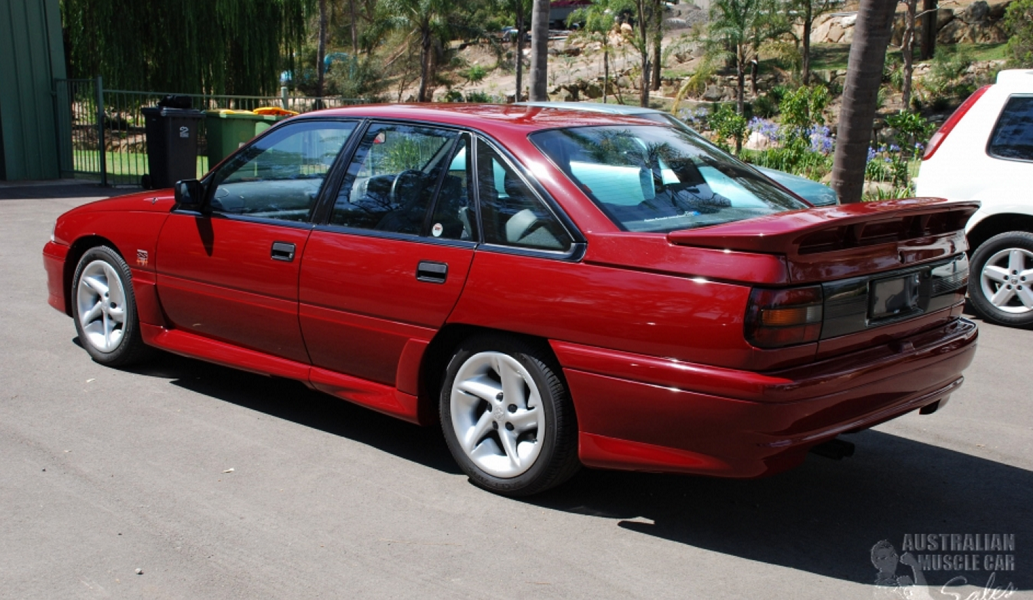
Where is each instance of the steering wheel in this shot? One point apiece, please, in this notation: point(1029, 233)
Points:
point(409, 178)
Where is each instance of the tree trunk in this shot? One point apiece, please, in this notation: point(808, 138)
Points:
point(606, 70)
point(425, 54)
point(321, 50)
point(864, 74)
point(643, 49)
point(740, 79)
point(907, 51)
point(519, 49)
point(355, 30)
point(540, 51)
point(808, 23)
point(928, 46)
point(658, 40)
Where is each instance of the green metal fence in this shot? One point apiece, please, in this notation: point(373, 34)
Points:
point(101, 132)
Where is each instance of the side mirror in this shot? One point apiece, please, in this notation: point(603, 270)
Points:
point(189, 194)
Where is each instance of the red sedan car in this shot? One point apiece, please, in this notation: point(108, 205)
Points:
point(555, 288)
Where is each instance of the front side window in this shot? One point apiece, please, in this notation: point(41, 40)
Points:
point(1013, 135)
point(393, 177)
point(660, 179)
point(511, 213)
point(280, 175)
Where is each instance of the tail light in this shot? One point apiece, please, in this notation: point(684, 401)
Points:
point(777, 318)
point(948, 125)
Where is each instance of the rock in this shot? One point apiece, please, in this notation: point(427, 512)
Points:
point(835, 34)
point(848, 21)
point(943, 16)
point(757, 141)
point(989, 34)
point(848, 36)
point(878, 188)
point(820, 34)
point(977, 12)
point(593, 91)
point(951, 33)
point(997, 11)
point(713, 94)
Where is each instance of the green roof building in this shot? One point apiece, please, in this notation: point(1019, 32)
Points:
point(32, 55)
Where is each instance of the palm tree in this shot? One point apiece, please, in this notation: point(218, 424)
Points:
point(540, 51)
point(599, 18)
point(741, 26)
point(864, 74)
point(520, 10)
point(805, 12)
point(428, 21)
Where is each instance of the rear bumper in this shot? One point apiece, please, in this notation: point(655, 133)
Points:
point(54, 262)
point(642, 413)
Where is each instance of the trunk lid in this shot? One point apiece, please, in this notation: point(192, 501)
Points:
point(835, 242)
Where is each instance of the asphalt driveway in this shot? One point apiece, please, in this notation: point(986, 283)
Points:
point(182, 479)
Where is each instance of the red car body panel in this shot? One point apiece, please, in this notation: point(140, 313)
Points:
point(363, 291)
point(54, 256)
point(608, 307)
point(216, 277)
point(739, 424)
point(129, 223)
point(648, 328)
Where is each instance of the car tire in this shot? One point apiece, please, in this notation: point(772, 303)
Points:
point(1001, 280)
point(104, 309)
point(507, 416)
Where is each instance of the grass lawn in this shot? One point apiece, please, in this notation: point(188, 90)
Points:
point(122, 167)
point(987, 51)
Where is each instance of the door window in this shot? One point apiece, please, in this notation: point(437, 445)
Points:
point(280, 175)
point(393, 177)
point(454, 217)
point(511, 213)
point(1013, 135)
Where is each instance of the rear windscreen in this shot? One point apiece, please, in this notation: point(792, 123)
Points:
point(660, 179)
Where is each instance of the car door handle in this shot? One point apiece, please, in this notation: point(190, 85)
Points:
point(283, 251)
point(431, 272)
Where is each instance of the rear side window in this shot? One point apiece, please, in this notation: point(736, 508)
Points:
point(511, 213)
point(1012, 137)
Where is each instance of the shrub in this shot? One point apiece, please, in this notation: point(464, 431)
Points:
point(475, 73)
point(728, 125)
point(1018, 21)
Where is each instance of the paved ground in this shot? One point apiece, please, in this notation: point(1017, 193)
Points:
point(104, 472)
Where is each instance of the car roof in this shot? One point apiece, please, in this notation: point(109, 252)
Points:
point(1016, 78)
point(599, 107)
point(502, 116)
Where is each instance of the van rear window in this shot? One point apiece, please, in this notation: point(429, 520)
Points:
point(1012, 137)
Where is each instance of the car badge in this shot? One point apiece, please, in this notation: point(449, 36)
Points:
point(437, 230)
point(141, 258)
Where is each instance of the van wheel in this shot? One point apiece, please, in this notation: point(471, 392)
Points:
point(1004, 268)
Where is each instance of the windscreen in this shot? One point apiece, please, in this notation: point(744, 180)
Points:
point(660, 179)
